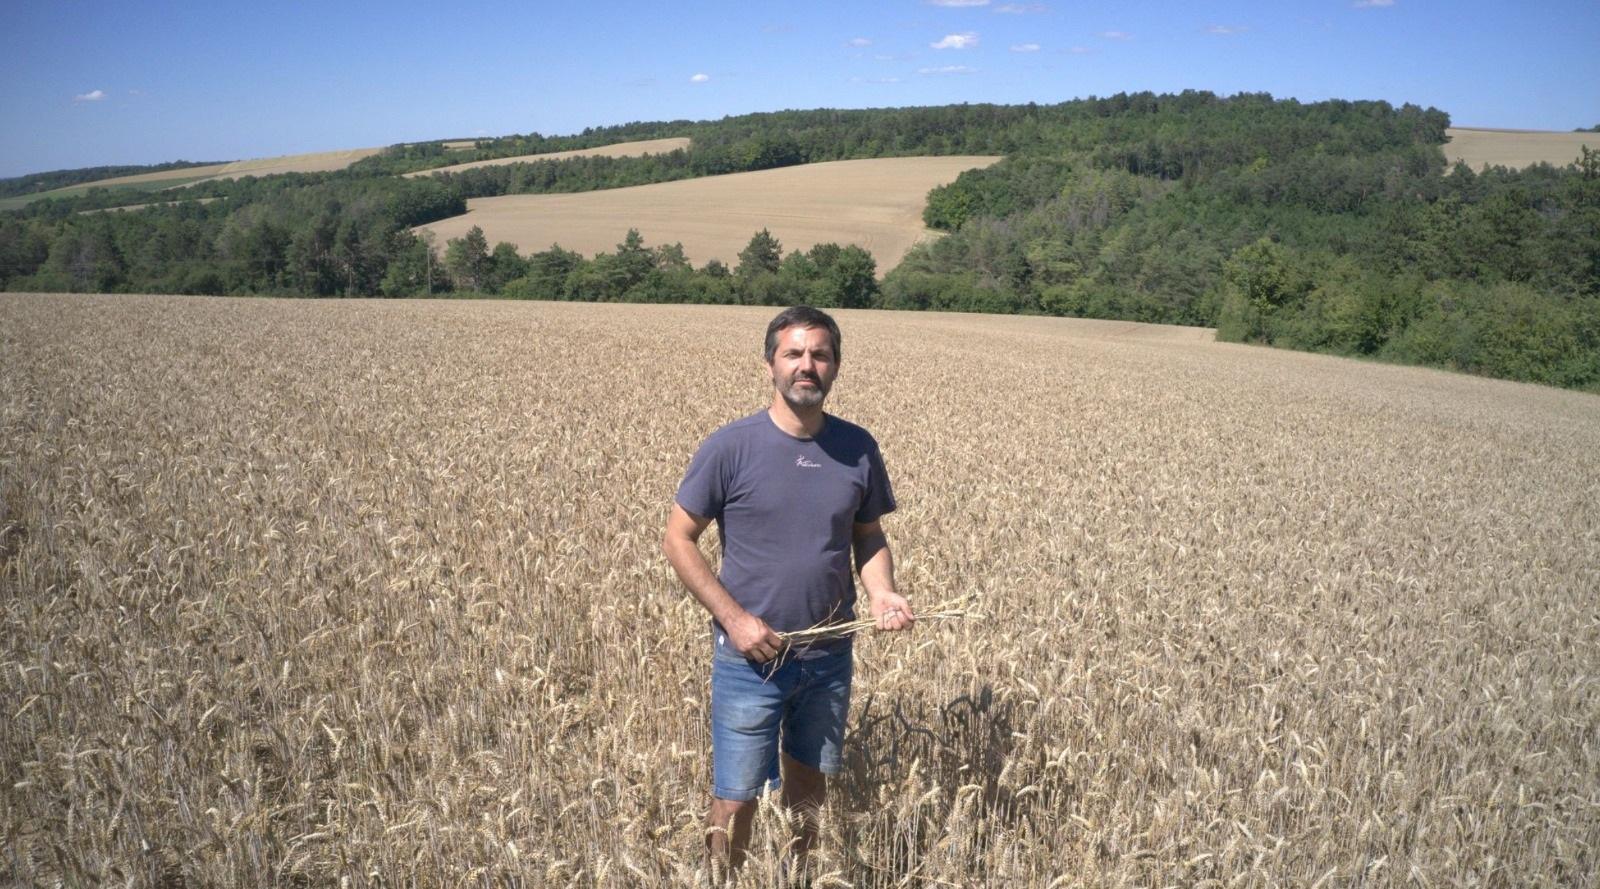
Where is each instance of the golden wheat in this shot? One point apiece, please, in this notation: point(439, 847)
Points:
point(369, 593)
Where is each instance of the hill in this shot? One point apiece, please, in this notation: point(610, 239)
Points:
point(875, 204)
point(1335, 226)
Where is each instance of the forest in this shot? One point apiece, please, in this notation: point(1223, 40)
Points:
point(1330, 226)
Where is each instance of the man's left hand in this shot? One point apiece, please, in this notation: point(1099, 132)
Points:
point(892, 612)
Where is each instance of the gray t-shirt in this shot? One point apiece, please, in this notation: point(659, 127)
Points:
point(784, 508)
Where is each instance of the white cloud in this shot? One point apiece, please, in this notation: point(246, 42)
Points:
point(90, 96)
point(948, 69)
point(859, 41)
point(700, 78)
point(1116, 35)
point(956, 3)
point(1371, 4)
point(1024, 47)
point(1226, 29)
point(1079, 50)
point(1021, 8)
point(957, 41)
point(874, 80)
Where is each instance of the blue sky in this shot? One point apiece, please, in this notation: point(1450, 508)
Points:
point(89, 83)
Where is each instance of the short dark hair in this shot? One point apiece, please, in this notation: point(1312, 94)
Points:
point(802, 316)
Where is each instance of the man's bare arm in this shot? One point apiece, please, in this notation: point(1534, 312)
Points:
point(875, 564)
point(749, 634)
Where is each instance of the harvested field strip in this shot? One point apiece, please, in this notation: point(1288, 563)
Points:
point(876, 204)
point(1515, 149)
point(151, 187)
point(318, 162)
point(350, 592)
point(620, 149)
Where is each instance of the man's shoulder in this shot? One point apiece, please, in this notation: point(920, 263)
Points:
point(742, 426)
point(846, 430)
point(735, 432)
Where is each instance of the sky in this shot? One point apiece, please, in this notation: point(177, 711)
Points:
point(95, 83)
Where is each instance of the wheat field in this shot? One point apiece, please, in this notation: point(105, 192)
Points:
point(1480, 147)
point(617, 149)
point(365, 593)
point(875, 204)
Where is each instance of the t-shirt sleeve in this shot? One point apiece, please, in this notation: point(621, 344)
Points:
point(704, 488)
point(879, 498)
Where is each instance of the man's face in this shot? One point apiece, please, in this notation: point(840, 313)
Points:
point(803, 366)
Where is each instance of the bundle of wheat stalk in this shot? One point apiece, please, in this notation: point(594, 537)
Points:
point(951, 609)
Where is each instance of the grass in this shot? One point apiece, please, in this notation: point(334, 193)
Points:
point(368, 592)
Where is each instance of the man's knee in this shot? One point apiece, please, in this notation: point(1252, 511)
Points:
point(725, 808)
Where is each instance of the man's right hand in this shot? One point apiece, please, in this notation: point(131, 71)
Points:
point(751, 637)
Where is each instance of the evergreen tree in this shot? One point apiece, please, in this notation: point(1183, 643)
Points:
point(761, 256)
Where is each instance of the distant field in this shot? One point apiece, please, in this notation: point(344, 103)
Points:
point(876, 204)
point(620, 149)
point(1515, 148)
point(318, 162)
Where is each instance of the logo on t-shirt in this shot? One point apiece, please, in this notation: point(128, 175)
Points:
point(802, 461)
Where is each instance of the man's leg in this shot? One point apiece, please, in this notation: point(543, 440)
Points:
point(805, 789)
point(728, 830)
point(746, 712)
point(814, 741)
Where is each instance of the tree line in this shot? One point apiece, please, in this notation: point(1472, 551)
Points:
point(826, 275)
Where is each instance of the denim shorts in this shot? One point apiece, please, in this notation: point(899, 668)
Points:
point(802, 705)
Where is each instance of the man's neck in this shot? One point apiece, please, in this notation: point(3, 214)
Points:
point(803, 422)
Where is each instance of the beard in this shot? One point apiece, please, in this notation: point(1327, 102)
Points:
point(804, 396)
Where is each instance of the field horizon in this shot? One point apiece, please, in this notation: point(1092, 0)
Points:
point(369, 592)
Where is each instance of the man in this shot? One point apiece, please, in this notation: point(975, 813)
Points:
point(793, 491)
